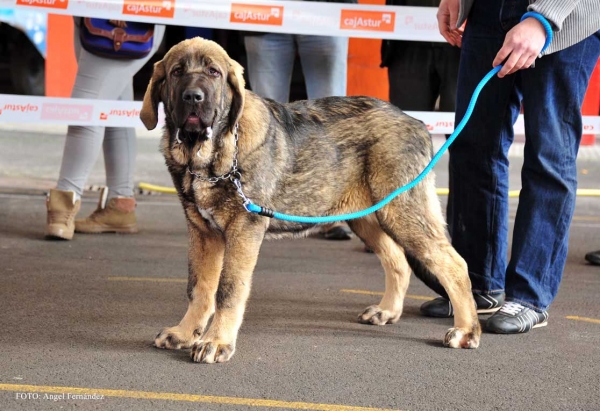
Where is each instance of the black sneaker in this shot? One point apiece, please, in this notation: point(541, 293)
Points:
point(514, 318)
point(441, 307)
point(593, 257)
point(338, 232)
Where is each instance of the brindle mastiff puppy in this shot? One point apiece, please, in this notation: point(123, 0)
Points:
point(323, 157)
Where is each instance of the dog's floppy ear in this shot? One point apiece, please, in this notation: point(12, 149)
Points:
point(149, 113)
point(235, 80)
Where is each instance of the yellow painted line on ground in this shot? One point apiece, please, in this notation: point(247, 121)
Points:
point(207, 399)
point(412, 297)
point(149, 279)
point(586, 218)
point(158, 189)
point(588, 192)
point(586, 319)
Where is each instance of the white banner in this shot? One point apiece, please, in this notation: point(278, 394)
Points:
point(295, 17)
point(67, 111)
point(77, 112)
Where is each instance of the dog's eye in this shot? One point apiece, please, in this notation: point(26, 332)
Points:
point(214, 72)
point(177, 71)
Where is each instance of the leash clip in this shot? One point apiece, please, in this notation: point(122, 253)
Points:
point(235, 179)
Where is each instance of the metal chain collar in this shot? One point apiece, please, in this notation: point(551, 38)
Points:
point(233, 175)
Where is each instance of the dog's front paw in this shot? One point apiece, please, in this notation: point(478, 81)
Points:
point(210, 352)
point(174, 338)
point(460, 338)
point(377, 316)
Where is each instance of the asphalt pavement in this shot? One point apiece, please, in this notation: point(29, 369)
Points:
point(78, 318)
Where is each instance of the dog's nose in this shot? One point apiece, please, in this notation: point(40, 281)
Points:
point(193, 96)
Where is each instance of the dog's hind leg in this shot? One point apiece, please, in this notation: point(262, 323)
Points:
point(205, 261)
point(415, 221)
point(397, 271)
point(243, 239)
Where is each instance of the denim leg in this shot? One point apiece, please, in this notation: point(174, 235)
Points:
point(478, 200)
point(553, 93)
point(270, 64)
point(324, 64)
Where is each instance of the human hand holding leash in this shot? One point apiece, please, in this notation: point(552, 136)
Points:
point(522, 45)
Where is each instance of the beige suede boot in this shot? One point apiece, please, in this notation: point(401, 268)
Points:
point(115, 216)
point(62, 208)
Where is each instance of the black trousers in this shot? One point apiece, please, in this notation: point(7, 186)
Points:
point(419, 73)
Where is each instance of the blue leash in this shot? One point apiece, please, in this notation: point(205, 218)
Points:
point(251, 207)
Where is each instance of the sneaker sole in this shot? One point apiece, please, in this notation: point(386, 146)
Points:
point(57, 237)
point(500, 332)
point(57, 234)
point(487, 310)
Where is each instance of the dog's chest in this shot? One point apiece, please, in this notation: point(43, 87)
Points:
point(208, 216)
point(209, 203)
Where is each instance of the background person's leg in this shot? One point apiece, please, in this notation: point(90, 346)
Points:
point(270, 64)
point(447, 61)
point(324, 64)
point(116, 209)
point(120, 148)
point(413, 87)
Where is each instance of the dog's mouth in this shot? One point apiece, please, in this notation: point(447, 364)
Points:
point(197, 128)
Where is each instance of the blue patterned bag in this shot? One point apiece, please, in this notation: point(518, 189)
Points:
point(105, 39)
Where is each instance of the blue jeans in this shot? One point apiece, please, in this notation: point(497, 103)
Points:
point(271, 62)
point(552, 94)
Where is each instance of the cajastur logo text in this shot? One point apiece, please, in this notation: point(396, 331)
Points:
point(256, 14)
point(367, 20)
point(124, 113)
point(55, 4)
point(159, 8)
point(21, 108)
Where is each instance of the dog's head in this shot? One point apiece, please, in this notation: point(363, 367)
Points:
point(202, 90)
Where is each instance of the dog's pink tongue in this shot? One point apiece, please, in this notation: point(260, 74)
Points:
point(193, 119)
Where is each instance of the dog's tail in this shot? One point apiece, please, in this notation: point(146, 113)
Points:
point(425, 275)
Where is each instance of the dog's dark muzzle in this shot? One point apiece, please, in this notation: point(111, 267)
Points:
point(197, 116)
